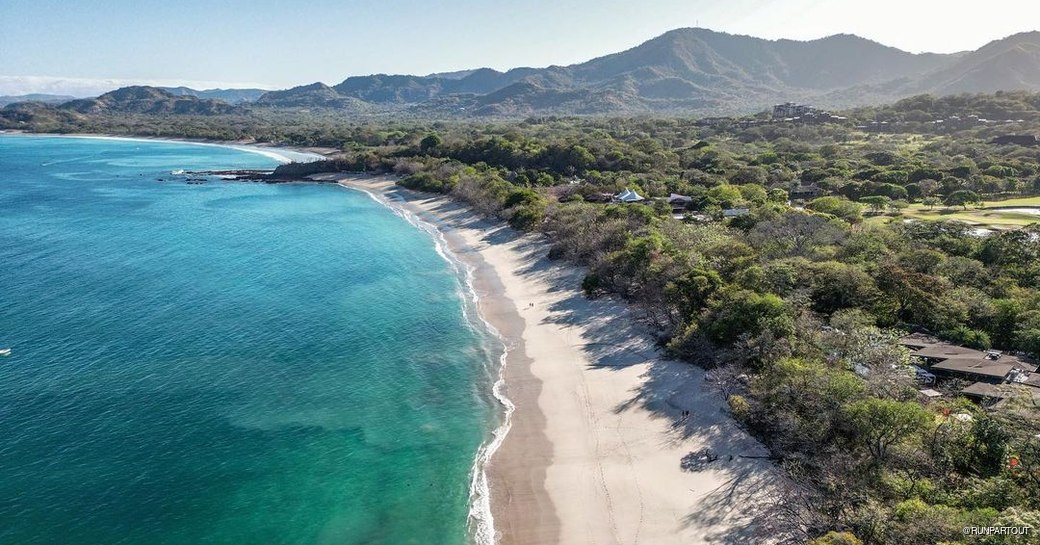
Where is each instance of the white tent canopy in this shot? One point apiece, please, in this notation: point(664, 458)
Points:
point(628, 196)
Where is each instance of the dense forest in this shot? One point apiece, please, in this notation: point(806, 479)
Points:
point(796, 302)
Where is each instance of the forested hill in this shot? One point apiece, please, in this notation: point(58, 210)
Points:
point(147, 100)
point(697, 70)
point(997, 106)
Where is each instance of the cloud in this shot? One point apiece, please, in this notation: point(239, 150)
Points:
point(88, 87)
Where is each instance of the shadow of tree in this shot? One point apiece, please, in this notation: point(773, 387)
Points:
point(613, 338)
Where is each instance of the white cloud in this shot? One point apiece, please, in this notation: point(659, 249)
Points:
point(88, 87)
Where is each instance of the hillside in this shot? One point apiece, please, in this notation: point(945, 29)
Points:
point(231, 96)
point(698, 70)
point(1009, 64)
point(147, 100)
point(315, 95)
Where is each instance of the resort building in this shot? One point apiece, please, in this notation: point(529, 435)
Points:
point(805, 192)
point(788, 110)
point(994, 375)
point(679, 203)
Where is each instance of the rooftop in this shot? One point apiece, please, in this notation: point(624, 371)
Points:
point(959, 359)
point(984, 389)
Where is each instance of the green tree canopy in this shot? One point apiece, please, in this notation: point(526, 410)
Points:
point(882, 423)
point(962, 197)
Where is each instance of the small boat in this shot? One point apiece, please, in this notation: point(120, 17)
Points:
point(5, 351)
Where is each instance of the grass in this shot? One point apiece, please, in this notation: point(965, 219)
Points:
point(1024, 201)
point(987, 215)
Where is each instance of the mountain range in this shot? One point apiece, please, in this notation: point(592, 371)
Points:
point(689, 70)
point(699, 70)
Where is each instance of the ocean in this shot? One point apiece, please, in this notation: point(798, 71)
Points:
point(227, 363)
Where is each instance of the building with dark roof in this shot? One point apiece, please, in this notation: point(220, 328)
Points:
point(1016, 140)
point(805, 192)
point(962, 362)
point(679, 203)
point(997, 378)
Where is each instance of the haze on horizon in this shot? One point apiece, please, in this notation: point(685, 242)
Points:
point(85, 48)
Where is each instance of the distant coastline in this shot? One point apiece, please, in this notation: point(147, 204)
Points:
point(281, 153)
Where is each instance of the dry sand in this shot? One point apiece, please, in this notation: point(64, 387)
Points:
point(593, 455)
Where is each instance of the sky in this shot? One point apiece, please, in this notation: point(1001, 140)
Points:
point(89, 46)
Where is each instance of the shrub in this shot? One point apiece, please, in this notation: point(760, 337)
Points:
point(739, 406)
point(836, 538)
point(592, 284)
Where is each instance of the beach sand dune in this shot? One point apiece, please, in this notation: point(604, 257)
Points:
point(595, 453)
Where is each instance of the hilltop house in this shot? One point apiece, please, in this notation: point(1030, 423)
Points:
point(803, 113)
point(805, 192)
point(679, 203)
point(790, 109)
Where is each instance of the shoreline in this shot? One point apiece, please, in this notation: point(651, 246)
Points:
point(598, 428)
point(480, 285)
point(261, 148)
point(595, 443)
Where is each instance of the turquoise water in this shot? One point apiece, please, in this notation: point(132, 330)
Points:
point(227, 363)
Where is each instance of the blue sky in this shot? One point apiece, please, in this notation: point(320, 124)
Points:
point(273, 43)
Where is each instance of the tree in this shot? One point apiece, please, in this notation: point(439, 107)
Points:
point(877, 203)
point(1027, 331)
point(753, 193)
point(835, 286)
point(431, 141)
point(725, 195)
point(915, 295)
point(898, 205)
point(838, 207)
point(690, 291)
point(797, 234)
point(749, 175)
point(963, 198)
point(777, 195)
point(931, 202)
point(969, 337)
point(742, 312)
point(882, 423)
point(928, 187)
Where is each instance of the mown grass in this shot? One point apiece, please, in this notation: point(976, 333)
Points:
point(990, 214)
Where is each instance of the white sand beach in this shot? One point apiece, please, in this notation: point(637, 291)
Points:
point(593, 455)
